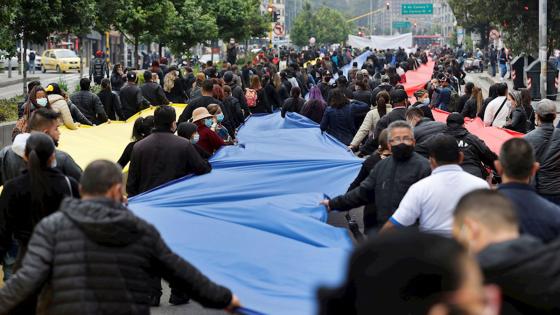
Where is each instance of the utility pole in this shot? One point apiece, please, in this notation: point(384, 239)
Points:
point(390, 18)
point(542, 45)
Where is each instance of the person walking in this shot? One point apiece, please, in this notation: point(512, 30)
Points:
point(474, 104)
point(383, 106)
point(498, 110)
point(31, 58)
point(429, 200)
point(545, 140)
point(204, 100)
point(257, 101)
point(142, 128)
point(518, 117)
point(26, 199)
point(118, 78)
point(99, 68)
point(89, 103)
point(173, 87)
point(110, 100)
point(390, 179)
point(294, 103)
point(315, 106)
point(131, 97)
point(59, 103)
point(477, 155)
point(71, 251)
point(209, 140)
point(162, 156)
point(338, 119)
point(152, 91)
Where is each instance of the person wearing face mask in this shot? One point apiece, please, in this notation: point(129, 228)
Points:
point(429, 200)
point(389, 180)
point(36, 99)
point(423, 103)
point(523, 267)
point(188, 131)
point(209, 140)
point(26, 199)
point(217, 127)
point(162, 157)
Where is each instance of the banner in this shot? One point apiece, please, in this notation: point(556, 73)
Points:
point(381, 42)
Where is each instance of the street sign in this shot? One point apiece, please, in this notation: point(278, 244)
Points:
point(278, 29)
point(401, 24)
point(417, 8)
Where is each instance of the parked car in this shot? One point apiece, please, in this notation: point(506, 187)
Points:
point(4, 61)
point(60, 60)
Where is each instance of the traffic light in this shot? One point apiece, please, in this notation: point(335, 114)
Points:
point(388, 5)
point(275, 16)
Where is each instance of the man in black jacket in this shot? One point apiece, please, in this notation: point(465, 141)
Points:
point(88, 103)
point(545, 140)
point(477, 154)
point(132, 100)
point(202, 101)
point(162, 157)
point(526, 270)
point(152, 91)
point(94, 257)
point(389, 180)
point(236, 91)
point(424, 129)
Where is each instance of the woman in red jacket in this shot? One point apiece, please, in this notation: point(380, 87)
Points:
point(208, 139)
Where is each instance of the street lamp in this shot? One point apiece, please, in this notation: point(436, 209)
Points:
point(388, 6)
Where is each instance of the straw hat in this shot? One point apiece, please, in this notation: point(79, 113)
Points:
point(200, 113)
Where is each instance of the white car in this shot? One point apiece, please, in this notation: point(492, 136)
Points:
point(4, 61)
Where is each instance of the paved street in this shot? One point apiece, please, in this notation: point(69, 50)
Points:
point(71, 78)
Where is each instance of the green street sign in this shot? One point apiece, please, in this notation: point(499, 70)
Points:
point(417, 8)
point(401, 24)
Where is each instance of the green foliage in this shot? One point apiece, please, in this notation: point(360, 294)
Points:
point(517, 20)
point(239, 19)
point(327, 25)
point(192, 25)
point(9, 108)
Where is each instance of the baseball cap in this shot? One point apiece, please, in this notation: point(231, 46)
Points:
point(398, 96)
point(131, 76)
point(420, 93)
point(545, 107)
point(455, 119)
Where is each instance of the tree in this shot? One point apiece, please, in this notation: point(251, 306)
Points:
point(327, 25)
point(474, 16)
point(191, 26)
point(32, 21)
point(77, 17)
point(239, 19)
point(144, 20)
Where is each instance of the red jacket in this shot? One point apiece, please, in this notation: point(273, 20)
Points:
point(208, 140)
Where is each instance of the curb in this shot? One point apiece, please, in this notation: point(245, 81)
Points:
point(17, 81)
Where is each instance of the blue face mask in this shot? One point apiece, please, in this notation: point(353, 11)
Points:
point(42, 101)
point(208, 122)
point(195, 139)
point(426, 101)
point(220, 117)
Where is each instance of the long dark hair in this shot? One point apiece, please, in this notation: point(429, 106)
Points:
point(338, 98)
point(142, 127)
point(383, 98)
point(32, 99)
point(38, 150)
point(295, 93)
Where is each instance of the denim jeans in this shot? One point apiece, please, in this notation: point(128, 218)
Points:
point(503, 70)
point(9, 260)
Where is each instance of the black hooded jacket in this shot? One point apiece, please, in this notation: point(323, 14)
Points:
point(527, 271)
point(475, 150)
point(95, 257)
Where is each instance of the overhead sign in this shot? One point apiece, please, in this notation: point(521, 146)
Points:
point(278, 29)
point(401, 24)
point(417, 8)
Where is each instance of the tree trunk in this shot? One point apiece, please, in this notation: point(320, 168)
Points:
point(23, 58)
point(136, 59)
point(81, 50)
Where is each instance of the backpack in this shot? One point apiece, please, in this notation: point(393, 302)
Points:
point(453, 101)
point(251, 96)
point(31, 56)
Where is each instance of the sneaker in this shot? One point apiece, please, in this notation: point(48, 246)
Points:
point(154, 300)
point(179, 299)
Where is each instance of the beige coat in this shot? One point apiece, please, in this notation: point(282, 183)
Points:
point(60, 105)
point(368, 126)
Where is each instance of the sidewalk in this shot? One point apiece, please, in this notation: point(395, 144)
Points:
point(16, 78)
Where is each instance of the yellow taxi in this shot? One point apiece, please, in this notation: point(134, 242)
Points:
point(60, 60)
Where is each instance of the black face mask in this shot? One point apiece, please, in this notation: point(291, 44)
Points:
point(402, 152)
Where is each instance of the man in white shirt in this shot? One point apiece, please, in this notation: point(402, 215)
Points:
point(497, 111)
point(432, 200)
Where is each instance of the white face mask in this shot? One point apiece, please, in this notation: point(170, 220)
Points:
point(54, 163)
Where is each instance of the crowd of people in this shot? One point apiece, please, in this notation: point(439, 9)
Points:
point(488, 222)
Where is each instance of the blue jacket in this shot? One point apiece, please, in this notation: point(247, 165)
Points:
point(443, 98)
point(537, 216)
point(339, 122)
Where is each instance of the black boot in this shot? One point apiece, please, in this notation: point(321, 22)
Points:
point(179, 298)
